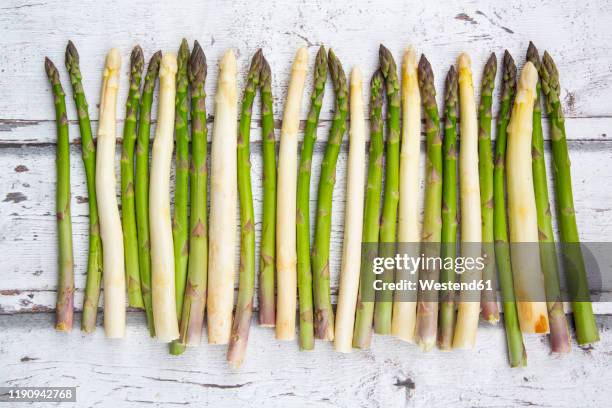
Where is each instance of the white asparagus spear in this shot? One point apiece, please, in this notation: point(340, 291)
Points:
point(522, 215)
point(286, 258)
point(353, 219)
point(469, 190)
point(223, 204)
point(162, 252)
point(404, 311)
point(110, 222)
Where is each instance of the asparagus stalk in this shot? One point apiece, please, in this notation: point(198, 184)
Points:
point(244, 308)
point(286, 261)
point(522, 214)
point(586, 327)
point(449, 210)
point(490, 311)
point(388, 222)
point(404, 310)
point(128, 220)
point(353, 218)
point(223, 197)
point(559, 331)
point(267, 250)
point(110, 221)
point(324, 314)
point(303, 203)
point(94, 259)
point(427, 310)
point(469, 189)
point(162, 256)
point(142, 187)
point(195, 292)
point(64, 310)
point(516, 349)
point(180, 221)
point(365, 299)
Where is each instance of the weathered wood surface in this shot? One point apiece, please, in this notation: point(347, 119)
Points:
point(137, 371)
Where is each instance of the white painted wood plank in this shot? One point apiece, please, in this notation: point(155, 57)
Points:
point(577, 34)
point(28, 252)
point(138, 372)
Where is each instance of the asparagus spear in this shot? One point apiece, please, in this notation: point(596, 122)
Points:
point(142, 187)
point(324, 314)
point(110, 221)
point(303, 198)
point(162, 255)
point(180, 228)
point(286, 260)
point(94, 260)
point(516, 349)
point(388, 222)
point(267, 250)
point(180, 221)
point(404, 310)
point(128, 221)
point(559, 331)
point(365, 299)
point(195, 292)
point(223, 202)
point(244, 307)
point(489, 311)
point(427, 309)
point(353, 218)
point(522, 217)
point(449, 210)
point(586, 327)
point(65, 292)
point(469, 190)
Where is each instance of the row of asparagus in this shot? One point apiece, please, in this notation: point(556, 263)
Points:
point(174, 267)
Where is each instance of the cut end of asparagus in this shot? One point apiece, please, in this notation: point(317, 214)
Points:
point(533, 55)
point(197, 69)
point(72, 56)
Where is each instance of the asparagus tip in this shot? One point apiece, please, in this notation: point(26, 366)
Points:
point(451, 83)
point(137, 58)
point(424, 68)
point(50, 68)
point(197, 64)
point(72, 55)
point(533, 55)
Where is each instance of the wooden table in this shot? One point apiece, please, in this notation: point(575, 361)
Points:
point(137, 371)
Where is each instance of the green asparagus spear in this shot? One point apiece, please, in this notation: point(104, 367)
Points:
point(267, 250)
point(303, 199)
point(244, 307)
point(94, 259)
point(586, 327)
point(388, 222)
point(324, 314)
point(449, 209)
point(427, 309)
point(65, 291)
point(195, 291)
point(142, 186)
point(180, 222)
point(130, 240)
point(488, 301)
point(516, 349)
point(365, 300)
